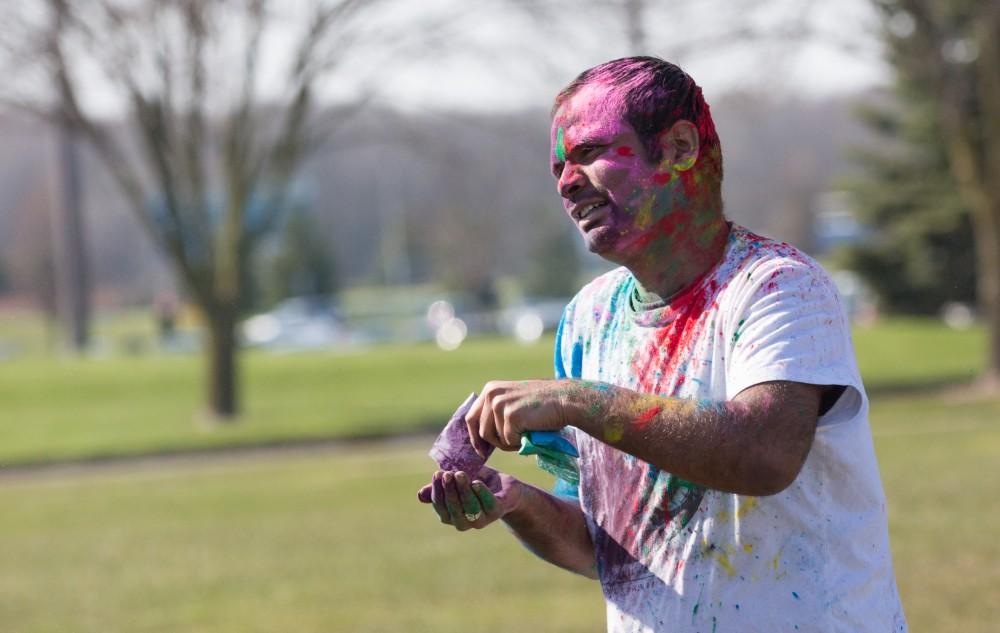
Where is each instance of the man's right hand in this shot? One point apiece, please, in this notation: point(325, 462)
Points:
point(474, 504)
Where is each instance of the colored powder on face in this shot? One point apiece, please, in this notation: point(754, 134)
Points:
point(644, 218)
point(686, 164)
point(625, 151)
point(452, 450)
point(663, 178)
point(560, 145)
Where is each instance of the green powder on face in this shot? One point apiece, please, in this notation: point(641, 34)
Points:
point(560, 146)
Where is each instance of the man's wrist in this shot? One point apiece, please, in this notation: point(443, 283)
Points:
point(584, 404)
point(518, 508)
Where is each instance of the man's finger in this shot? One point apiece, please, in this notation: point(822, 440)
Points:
point(471, 508)
point(508, 437)
point(486, 499)
point(498, 424)
point(487, 430)
point(511, 435)
point(453, 503)
point(424, 494)
point(472, 422)
point(438, 498)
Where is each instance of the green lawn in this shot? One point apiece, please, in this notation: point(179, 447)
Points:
point(322, 544)
point(64, 408)
point(71, 408)
point(338, 543)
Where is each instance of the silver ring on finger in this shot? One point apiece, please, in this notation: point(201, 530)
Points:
point(471, 518)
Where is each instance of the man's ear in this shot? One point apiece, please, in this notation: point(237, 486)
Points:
point(680, 145)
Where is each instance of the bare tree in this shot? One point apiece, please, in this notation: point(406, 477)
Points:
point(679, 30)
point(210, 154)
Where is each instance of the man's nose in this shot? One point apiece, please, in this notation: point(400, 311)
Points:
point(570, 181)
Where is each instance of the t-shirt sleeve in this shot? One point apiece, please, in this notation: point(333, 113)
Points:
point(789, 325)
point(567, 365)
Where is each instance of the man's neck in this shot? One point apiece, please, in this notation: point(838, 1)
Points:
point(662, 272)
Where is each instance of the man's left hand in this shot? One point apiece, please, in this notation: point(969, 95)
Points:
point(506, 409)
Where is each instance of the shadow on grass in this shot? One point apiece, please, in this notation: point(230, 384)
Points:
point(930, 386)
point(422, 429)
point(425, 428)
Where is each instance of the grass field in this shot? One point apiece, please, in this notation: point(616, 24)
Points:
point(64, 408)
point(336, 542)
point(71, 408)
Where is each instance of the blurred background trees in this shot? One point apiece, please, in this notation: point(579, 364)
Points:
point(274, 150)
point(932, 190)
point(213, 142)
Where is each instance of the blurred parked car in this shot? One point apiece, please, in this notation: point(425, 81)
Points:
point(299, 323)
point(528, 321)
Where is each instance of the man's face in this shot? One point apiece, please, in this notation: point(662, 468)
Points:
point(618, 200)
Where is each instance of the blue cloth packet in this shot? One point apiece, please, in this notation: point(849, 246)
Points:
point(554, 453)
point(532, 440)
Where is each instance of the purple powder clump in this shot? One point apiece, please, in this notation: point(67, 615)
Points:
point(452, 450)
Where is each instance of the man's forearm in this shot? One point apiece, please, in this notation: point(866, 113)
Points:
point(754, 444)
point(554, 529)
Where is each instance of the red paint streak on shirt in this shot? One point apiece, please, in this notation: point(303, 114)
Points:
point(672, 343)
point(661, 179)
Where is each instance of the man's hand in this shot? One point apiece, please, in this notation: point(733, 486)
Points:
point(464, 504)
point(506, 409)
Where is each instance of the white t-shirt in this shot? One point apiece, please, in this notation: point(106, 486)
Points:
point(675, 556)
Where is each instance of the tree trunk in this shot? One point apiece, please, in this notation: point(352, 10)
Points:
point(72, 279)
point(988, 216)
point(985, 205)
point(222, 368)
point(635, 26)
point(988, 283)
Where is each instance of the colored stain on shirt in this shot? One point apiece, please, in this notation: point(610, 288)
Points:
point(671, 344)
point(737, 334)
point(650, 528)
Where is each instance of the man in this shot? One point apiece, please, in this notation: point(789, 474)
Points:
point(727, 476)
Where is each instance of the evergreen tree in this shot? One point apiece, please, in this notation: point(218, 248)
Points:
point(921, 254)
point(945, 55)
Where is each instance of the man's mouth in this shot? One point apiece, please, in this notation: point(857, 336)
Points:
point(590, 208)
point(591, 215)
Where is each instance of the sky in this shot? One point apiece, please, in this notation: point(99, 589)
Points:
point(843, 56)
point(496, 56)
